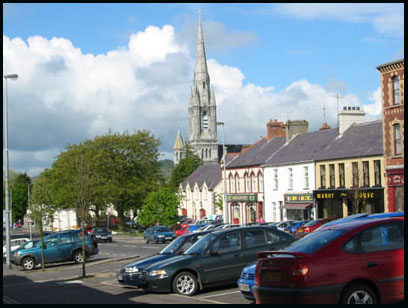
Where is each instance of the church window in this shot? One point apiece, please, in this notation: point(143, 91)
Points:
point(205, 120)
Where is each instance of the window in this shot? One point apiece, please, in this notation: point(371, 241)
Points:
point(377, 172)
point(273, 237)
point(366, 174)
point(383, 237)
point(254, 238)
point(355, 174)
point(232, 184)
point(306, 172)
point(341, 175)
point(275, 179)
point(323, 176)
point(397, 139)
point(260, 181)
point(229, 242)
point(395, 86)
point(290, 184)
point(253, 180)
point(205, 120)
point(247, 184)
point(237, 183)
point(331, 175)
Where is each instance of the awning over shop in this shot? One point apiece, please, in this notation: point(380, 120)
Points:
point(297, 206)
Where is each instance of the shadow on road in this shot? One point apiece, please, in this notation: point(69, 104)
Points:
point(25, 291)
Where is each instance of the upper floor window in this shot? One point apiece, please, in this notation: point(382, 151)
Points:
point(323, 176)
point(397, 139)
point(366, 174)
point(395, 85)
point(237, 183)
point(247, 183)
point(331, 175)
point(253, 180)
point(260, 181)
point(306, 171)
point(290, 184)
point(377, 172)
point(275, 179)
point(355, 174)
point(341, 175)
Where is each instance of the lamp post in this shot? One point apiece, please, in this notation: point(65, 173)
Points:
point(224, 154)
point(7, 214)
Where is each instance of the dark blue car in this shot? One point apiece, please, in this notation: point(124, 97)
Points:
point(129, 274)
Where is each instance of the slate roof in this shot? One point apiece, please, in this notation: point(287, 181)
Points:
point(210, 174)
point(363, 139)
point(257, 153)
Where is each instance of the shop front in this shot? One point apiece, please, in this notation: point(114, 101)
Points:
point(395, 182)
point(298, 206)
point(244, 208)
point(338, 203)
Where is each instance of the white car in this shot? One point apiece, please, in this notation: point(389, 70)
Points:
point(14, 244)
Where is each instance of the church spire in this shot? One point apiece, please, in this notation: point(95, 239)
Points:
point(201, 71)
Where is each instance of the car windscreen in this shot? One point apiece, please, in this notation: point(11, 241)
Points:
point(100, 230)
point(162, 229)
point(314, 241)
point(201, 245)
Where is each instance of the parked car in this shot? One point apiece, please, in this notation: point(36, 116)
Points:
point(292, 228)
point(130, 273)
point(215, 259)
point(181, 231)
point(101, 234)
point(192, 228)
point(365, 216)
point(281, 225)
point(14, 244)
point(247, 281)
point(58, 247)
point(158, 234)
point(310, 226)
point(360, 261)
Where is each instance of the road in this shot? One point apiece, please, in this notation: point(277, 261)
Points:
point(60, 283)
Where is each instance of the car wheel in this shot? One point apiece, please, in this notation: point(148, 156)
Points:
point(185, 283)
point(28, 263)
point(78, 256)
point(110, 240)
point(147, 241)
point(359, 294)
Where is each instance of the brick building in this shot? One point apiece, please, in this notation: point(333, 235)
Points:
point(392, 97)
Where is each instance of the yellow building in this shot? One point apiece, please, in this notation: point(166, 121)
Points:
point(350, 176)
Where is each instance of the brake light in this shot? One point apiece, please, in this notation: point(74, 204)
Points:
point(306, 229)
point(299, 272)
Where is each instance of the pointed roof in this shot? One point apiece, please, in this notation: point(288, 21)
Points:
point(201, 71)
point(209, 174)
point(179, 144)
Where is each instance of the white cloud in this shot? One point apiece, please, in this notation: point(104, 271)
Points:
point(64, 96)
point(386, 18)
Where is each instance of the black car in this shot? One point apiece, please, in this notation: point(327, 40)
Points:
point(101, 234)
point(217, 258)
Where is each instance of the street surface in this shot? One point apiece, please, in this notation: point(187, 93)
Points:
point(60, 283)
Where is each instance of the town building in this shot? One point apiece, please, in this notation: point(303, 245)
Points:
point(392, 98)
point(245, 178)
point(350, 173)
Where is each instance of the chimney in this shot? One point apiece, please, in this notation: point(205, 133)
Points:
point(275, 129)
point(325, 126)
point(348, 116)
point(295, 127)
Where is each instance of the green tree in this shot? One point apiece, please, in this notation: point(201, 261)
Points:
point(160, 206)
point(19, 194)
point(186, 166)
point(42, 207)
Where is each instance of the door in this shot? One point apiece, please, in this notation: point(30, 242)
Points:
point(65, 246)
point(224, 261)
point(382, 256)
point(51, 251)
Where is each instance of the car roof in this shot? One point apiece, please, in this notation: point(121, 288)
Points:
point(356, 223)
point(219, 231)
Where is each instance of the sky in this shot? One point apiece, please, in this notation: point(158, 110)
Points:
point(89, 69)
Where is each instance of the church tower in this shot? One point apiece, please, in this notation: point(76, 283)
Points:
point(201, 111)
point(202, 108)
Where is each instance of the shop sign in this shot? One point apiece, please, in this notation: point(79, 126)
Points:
point(396, 180)
point(340, 194)
point(298, 198)
point(242, 198)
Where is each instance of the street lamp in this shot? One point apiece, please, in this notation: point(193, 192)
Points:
point(224, 154)
point(7, 212)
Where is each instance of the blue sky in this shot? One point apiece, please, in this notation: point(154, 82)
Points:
point(88, 68)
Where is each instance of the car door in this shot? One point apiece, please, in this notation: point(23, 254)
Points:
point(65, 246)
point(224, 261)
point(51, 252)
point(382, 256)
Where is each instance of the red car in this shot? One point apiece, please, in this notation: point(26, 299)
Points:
point(310, 226)
point(361, 262)
point(182, 230)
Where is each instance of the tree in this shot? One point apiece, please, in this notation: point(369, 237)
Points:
point(19, 193)
point(42, 208)
point(186, 166)
point(160, 206)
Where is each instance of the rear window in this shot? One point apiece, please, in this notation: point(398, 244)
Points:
point(314, 241)
point(311, 223)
